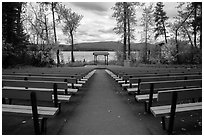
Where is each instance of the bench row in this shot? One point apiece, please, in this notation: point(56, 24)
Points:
point(160, 90)
point(35, 92)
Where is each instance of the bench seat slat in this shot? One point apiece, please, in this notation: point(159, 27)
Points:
point(127, 85)
point(62, 97)
point(81, 82)
point(145, 97)
point(118, 79)
point(19, 88)
point(132, 89)
point(68, 90)
point(48, 112)
point(61, 91)
point(84, 79)
point(75, 85)
point(160, 111)
point(72, 90)
point(121, 81)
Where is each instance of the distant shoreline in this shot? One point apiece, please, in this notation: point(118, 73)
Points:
point(90, 50)
point(103, 46)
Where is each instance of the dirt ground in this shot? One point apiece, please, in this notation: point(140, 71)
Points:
point(101, 107)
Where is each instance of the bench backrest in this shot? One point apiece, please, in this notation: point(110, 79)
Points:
point(77, 76)
point(165, 85)
point(40, 78)
point(127, 77)
point(33, 84)
point(19, 93)
point(164, 78)
point(182, 95)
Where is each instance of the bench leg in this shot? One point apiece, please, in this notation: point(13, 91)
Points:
point(146, 105)
point(44, 126)
point(150, 97)
point(35, 113)
point(3, 101)
point(173, 111)
point(65, 91)
point(59, 106)
point(171, 125)
point(200, 99)
point(36, 126)
point(10, 101)
point(163, 123)
point(55, 95)
point(72, 85)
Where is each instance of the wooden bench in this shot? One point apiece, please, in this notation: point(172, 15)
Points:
point(36, 112)
point(135, 82)
point(151, 88)
point(142, 70)
point(61, 87)
point(123, 77)
point(71, 82)
point(133, 79)
point(76, 74)
point(179, 103)
point(113, 75)
point(81, 78)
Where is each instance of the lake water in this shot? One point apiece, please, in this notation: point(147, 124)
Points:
point(84, 55)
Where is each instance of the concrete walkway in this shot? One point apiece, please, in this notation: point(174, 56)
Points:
point(103, 111)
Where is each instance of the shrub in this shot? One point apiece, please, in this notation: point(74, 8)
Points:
point(75, 64)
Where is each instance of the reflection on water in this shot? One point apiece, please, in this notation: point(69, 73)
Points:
point(87, 56)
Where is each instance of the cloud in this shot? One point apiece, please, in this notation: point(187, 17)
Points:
point(91, 6)
point(170, 9)
point(109, 30)
point(98, 23)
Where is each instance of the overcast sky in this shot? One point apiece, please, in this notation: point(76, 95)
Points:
point(97, 23)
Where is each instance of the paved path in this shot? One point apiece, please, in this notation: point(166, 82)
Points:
point(103, 111)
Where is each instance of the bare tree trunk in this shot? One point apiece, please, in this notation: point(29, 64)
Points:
point(165, 32)
point(19, 19)
point(58, 60)
point(46, 30)
point(201, 36)
point(189, 37)
point(128, 37)
point(72, 46)
point(125, 35)
point(33, 39)
point(194, 25)
point(145, 57)
point(53, 18)
point(201, 29)
point(55, 36)
point(177, 48)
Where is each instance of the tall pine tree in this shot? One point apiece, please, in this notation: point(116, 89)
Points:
point(160, 19)
point(147, 23)
point(14, 38)
point(125, 15)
